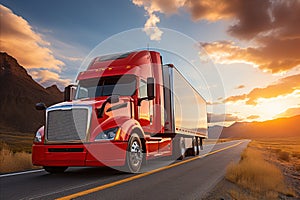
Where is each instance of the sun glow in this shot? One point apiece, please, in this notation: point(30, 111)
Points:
point(270, 108)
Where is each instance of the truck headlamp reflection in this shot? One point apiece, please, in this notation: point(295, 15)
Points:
point(108, 134)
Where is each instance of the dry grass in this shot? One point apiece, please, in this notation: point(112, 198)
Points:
point(282, 155)
point(289, 145)
point(214, 141)
point(17, 141)
point(286, 150)
point(240, 195)
point(262, 179)
point(14, 161)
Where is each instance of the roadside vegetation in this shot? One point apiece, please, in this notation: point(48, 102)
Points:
point(268, 169)
point(214, 141)
point(16, 141)
point(11, 161)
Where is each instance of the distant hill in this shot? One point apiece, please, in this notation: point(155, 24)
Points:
point(282, 127)
point(18, 95)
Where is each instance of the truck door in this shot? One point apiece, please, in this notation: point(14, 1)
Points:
point(146, 118)
point(145, 109)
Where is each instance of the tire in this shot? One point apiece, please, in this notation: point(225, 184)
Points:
point(178, 148)
point(198, 145)
point(182, 149)
point(201, 143)
point(134, 154)
point(194, 149)
point(55, 170)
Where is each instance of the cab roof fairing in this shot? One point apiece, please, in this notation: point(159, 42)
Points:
point(131, 64)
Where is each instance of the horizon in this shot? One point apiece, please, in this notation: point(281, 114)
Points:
point(259, 63)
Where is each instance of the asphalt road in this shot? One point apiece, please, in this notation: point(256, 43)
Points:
point(191, 178)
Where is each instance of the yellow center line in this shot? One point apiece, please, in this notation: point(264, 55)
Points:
point(102, 187)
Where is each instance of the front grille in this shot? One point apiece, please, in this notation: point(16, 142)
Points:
point(67, 125)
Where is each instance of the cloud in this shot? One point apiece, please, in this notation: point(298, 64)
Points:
point(151, 7)
point(151, 28)
point(203, 9)
point(253, 117)
point(211, 10)
point(214, 118)
point(290, 112)
point(282, 87)
point(272, 27)
point(235, 98)
point(48, 78)
point(240, 87)
point(274, 55)
point(20, 40)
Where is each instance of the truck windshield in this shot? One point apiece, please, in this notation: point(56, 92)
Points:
point(105, 86)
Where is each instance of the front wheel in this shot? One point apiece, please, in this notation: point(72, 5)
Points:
point(134, 155)
point(55, 170)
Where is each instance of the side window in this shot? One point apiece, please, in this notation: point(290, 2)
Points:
point(143, 89)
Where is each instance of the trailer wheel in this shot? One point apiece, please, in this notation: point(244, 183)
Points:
point(55, 170)
point(201, 143)
point(194, 149)
point(178, 148)
point(181, 148)
point(198, 145)
point(134, 155)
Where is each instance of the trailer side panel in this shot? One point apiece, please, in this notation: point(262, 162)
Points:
point(185, 107)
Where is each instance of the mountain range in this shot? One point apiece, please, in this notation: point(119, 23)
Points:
point(281, 127)
point(18, 95)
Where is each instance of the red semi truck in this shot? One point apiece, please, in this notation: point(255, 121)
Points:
point(124, 110)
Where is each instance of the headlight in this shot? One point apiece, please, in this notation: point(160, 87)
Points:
point(108, 134)
point(38, 137)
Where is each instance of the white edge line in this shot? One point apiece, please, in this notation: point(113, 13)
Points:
point(19, 173)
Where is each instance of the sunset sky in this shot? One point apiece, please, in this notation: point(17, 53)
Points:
point(254, 44)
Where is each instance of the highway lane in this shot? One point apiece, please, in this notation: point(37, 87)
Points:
point(188, 179)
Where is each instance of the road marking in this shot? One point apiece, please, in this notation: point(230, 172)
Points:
point(19, 173)
point(109, 185)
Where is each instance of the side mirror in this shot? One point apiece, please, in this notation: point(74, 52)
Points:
point(70, 92)
point(113, 99)
point(150, 88)
point(40, 106)
point(110, 99)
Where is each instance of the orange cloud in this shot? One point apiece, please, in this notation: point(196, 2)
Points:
point(253, 117)
point(240, 87)
point(214, 118)
point(274, 55)
point(19, 40)
point(290, 112)
point(46, 77)
point(235, 98)
point(273, 27)
point(28, 47)
point(284, 86)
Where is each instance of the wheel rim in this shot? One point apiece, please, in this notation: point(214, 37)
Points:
point(136, 155)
